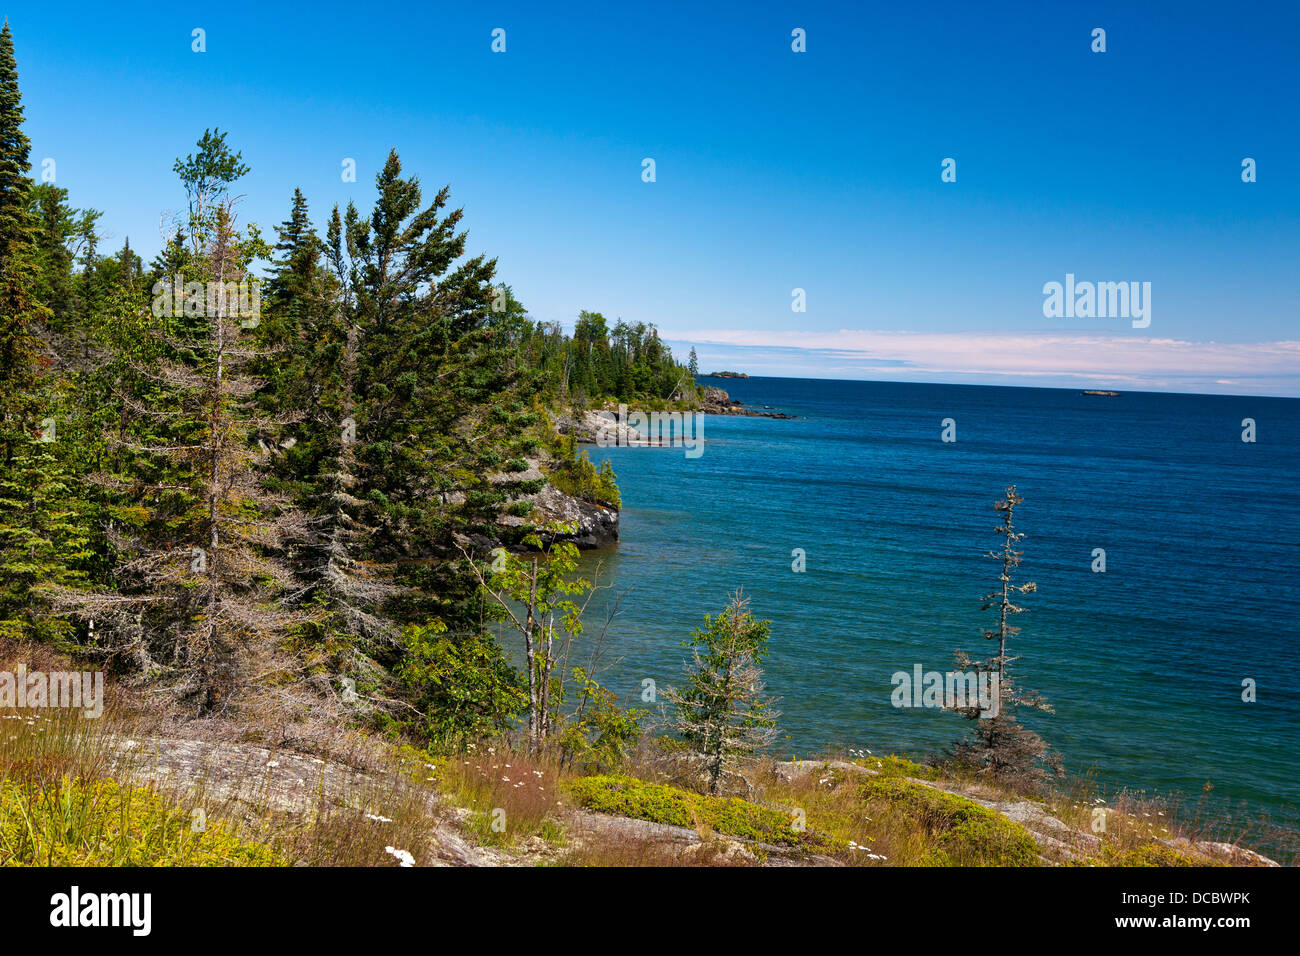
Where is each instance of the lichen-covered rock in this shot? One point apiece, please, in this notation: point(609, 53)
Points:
point(596, 525)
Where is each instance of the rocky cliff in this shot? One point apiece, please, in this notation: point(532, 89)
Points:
point(596, 524)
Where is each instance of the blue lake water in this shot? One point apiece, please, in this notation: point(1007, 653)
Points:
point(1143, 663)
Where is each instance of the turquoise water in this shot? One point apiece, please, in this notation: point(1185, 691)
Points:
point(1143, 664)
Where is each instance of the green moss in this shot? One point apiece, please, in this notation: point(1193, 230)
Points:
point(659, 803)
point(963, 832)
point(1150, 854)
point(75, 823)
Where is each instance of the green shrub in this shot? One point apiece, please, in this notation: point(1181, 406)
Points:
point(599, 734)
point(461, 687)
point(659, 803)
point(963, 832)
point(574, 474)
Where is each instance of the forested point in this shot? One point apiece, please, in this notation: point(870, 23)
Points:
point(249, 471)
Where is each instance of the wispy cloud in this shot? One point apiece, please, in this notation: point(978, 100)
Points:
point(1046, 358)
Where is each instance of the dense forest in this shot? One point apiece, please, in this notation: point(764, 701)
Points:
point(598, 363)
point(252, 488)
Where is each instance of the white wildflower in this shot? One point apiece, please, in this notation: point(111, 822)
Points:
point(403, 858)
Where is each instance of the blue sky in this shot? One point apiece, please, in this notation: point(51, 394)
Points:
point(775, 170)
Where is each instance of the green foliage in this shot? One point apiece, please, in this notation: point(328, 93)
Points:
point(206, 175)
point(575, 475)
point(963, 832)
point(19, 358)
point(194, 577)
point(597, 363)
point(660, 803)
point(43, 542)
point(543, 575)
point(62, 236)
point(202, 504)
point(75, 823)
point(462, 688)
point(539, 585)
point(599, 734)
point(437, 401)
point(722, 712)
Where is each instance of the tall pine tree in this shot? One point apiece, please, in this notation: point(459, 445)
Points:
point(19, 361)
point(43, 536)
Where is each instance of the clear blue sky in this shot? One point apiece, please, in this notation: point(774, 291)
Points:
point(775, 169)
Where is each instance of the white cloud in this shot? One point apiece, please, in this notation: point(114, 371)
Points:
point(1044, 358)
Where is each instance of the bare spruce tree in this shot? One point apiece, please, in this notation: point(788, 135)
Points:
point(1001, 747)
point(195, 534)
point(723, 712)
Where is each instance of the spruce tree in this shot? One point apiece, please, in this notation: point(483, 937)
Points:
point(43, 533)
point(62, 238)
point(44, 542)
point(310, 339)
point(1002, 747)
point(440, 409)
point(723, 712)
point(19, 361)
point(199, 573)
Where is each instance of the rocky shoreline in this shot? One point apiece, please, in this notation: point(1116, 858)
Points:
point(597, 525)
point(589, 426)
point(718, 402)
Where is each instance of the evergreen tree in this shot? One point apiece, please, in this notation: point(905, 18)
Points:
point(43, 537)
point(44, 543)
point(19, 360)
point(723, 712)
point(62, 237)
point(198, 573)
point(439, 410)
point(311, 340)
point(1001, 746)
point(415, 414)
